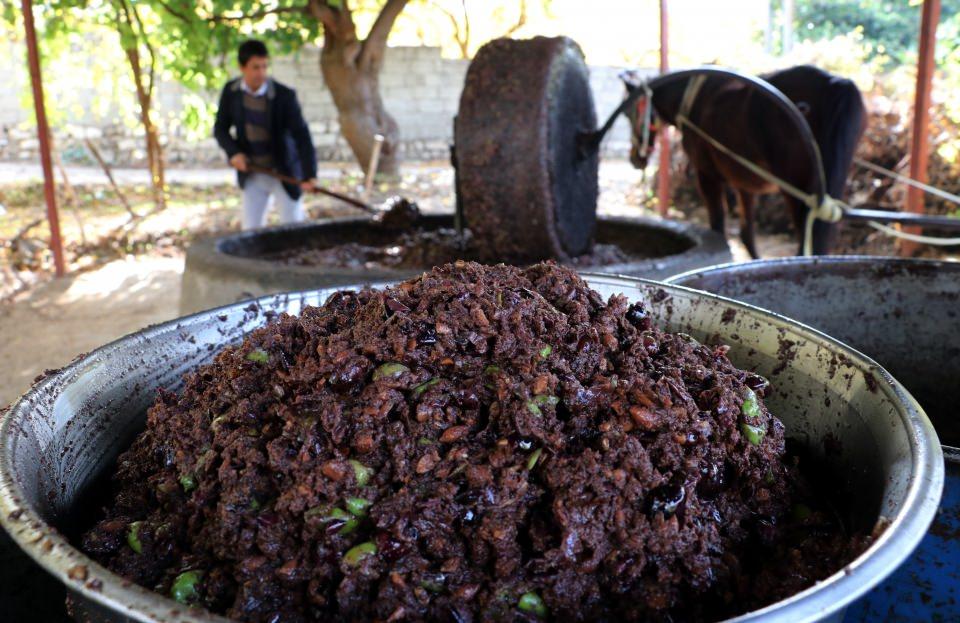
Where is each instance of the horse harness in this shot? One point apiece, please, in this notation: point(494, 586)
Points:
point(645, 118)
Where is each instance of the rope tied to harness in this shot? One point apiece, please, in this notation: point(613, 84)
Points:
point(830, 209)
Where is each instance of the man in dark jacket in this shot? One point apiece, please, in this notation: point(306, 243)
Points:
point(269, 134)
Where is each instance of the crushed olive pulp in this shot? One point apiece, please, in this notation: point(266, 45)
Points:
point(479, 443)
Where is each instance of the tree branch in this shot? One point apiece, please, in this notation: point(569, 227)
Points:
point(263, 13)
point(462, 38)
point(323, 13)
point(465, 46)
point(169, 9)
point(151, 74)
point(376, 41)
point(521, 20)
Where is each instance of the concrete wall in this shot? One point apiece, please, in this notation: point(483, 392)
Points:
point(420, 88)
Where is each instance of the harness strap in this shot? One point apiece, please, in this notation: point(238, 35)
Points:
point(690, 94)
point(647, 120)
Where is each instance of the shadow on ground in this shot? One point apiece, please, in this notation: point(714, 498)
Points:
point(47, 327)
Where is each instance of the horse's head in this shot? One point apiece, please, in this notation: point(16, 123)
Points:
point(643, 120)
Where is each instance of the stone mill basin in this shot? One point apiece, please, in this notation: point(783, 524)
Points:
point(224, 270)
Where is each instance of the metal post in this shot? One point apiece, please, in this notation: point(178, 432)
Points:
point(663, 172)
point(920, 129)
point(43, 134)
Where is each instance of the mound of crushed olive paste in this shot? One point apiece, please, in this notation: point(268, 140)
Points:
point(479, 443)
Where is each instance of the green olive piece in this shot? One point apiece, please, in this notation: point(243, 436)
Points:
point(531, 603)
point(751, 407)
point(358, 552)
point(259, 355)
point(544, 399)
point(754, 434)
point(133, 537)
point(545, 351)
point(536, 402)
point(422, 387)
point(338, 515)
point(534, 457)
point(358, 506)
point(361, 472)
point(184, 588)
point(389, 371)
point(188, 482)
point(434, 585)
point(490, 371)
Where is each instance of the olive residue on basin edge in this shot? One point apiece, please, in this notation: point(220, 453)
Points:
point(420, 248)
point(479, 443)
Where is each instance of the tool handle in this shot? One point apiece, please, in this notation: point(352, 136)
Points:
point(287, 179)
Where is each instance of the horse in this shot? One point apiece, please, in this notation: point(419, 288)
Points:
point(736, 115)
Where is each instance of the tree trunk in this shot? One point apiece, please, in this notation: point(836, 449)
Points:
point(356, 94)
point(351, 70)
point(132, 33)
point(151, 133)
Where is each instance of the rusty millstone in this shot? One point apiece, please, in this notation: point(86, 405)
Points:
point(527, 192)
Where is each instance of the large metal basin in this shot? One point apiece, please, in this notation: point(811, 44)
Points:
point(905, 314)
point(68, 430)
point(227, 269)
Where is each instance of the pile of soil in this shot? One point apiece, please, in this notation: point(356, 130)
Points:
point(418, 248)
point(479, 443)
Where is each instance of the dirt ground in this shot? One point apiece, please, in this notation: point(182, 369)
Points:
point(63, 318)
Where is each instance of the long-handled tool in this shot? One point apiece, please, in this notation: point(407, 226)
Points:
point(396, 213)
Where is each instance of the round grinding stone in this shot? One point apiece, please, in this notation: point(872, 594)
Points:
point(527, 191)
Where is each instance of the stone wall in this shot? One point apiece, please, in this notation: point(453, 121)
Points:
point(420, 88)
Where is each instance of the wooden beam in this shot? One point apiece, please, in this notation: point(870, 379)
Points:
point(43, 134)
point(663, 171)
point(920, 128)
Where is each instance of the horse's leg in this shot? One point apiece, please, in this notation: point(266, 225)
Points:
point(798, 210)
point(711, 189)
point(746, 201)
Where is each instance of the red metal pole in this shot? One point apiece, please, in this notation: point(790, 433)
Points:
point(663, 172)
point(920, 129)
point(43, 133)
